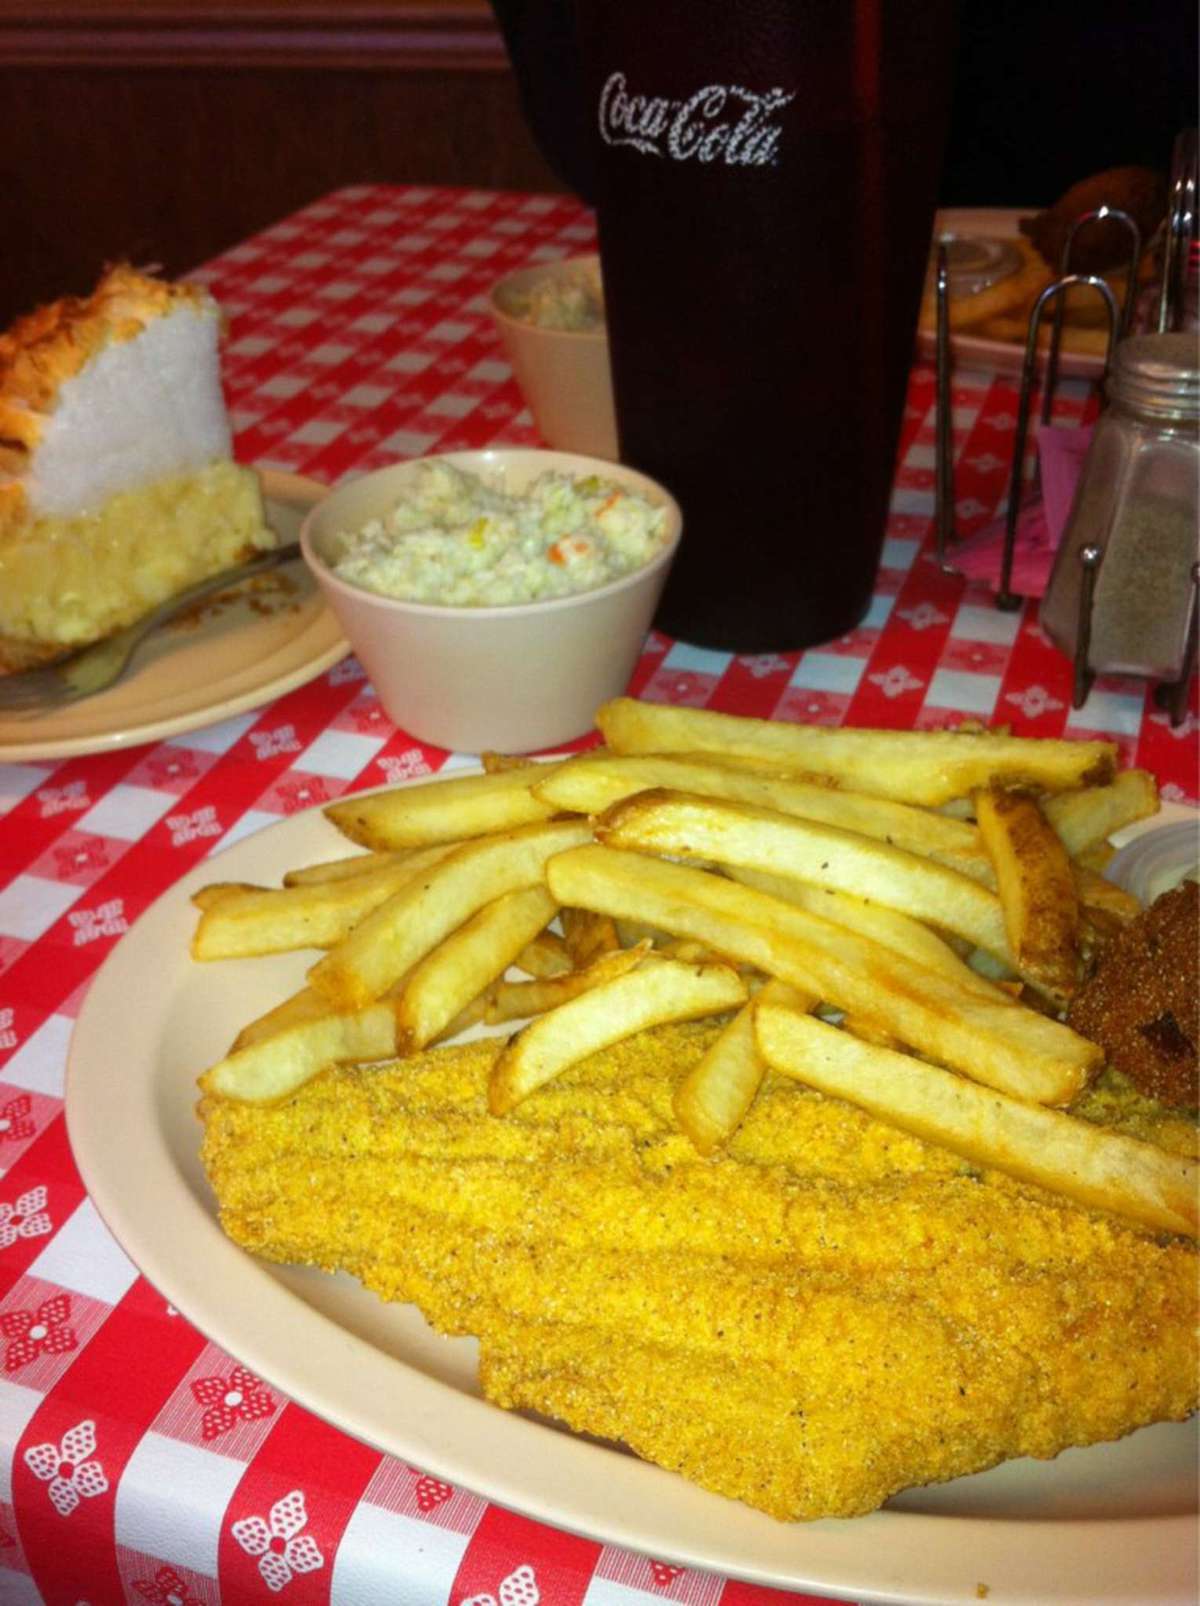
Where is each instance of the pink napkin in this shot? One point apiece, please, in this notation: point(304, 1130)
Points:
point(1040, 520)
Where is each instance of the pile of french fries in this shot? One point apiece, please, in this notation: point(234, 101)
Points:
point(897, 919)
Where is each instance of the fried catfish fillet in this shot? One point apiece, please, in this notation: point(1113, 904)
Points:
point(828, 1312)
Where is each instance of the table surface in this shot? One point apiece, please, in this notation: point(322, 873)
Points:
point(130, 1448)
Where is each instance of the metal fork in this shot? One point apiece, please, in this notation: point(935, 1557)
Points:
point(94, 669)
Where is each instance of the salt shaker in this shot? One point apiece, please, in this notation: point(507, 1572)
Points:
point(1121, 594)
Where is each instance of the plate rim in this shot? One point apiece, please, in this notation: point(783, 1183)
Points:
point(872, 1558)
point(1000, 356)
point(277, 485)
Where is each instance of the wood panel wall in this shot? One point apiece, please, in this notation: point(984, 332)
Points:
point(164, 130)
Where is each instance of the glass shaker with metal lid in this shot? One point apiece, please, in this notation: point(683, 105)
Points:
point(1121, 593)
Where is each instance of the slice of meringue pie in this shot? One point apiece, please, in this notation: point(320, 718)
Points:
point(117, 484)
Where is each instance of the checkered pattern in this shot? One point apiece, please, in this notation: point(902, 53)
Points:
point(137, 1461)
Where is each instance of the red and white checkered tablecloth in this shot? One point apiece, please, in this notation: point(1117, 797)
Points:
point(137, 1461)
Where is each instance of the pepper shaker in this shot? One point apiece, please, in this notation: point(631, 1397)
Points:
point(1120, 596)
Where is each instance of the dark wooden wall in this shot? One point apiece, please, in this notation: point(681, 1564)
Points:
point(164, 130)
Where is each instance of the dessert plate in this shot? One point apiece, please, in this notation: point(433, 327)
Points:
point(1114, 1523)
point(229, 653)
point(977, 351)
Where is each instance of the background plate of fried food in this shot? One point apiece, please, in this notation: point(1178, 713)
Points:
point(989, 328)
point(627, 889)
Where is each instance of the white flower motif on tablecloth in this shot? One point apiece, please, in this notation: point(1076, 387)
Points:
point(181, 766)
point(999, 421)
point(185, 828)
point(970, 508)
point(691, 689)
point(28, 1218)
point(922, 616)
point(1034, 701)
point(664, 1573)
point(301, 793)
point(404, 765)
point(518, 1589)
point(43, 1331)
point(1185, 727)
point(80, 857)
point(270, 744)
point(896, 681)
point(68, 1468)
point(8, 1038)
point(764, 663)
point(985, 462)
point(279, 1541)
point(430, 1491)
point(240, 1397)
point(89, 925)
point(346, 670)
point(60, 799)
point(166, 1588)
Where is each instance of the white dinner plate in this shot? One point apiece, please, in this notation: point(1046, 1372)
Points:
point(1109, 1524)
point(227, 654)
point(975, 351)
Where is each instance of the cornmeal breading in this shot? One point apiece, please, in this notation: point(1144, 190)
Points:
point(829, 1312)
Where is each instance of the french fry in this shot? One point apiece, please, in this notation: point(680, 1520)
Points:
point(659, 990)
point(694, 953)
point(587, 935)
point(869, 1033)
point(450, 810)
point(993, 1039)
point(466, 1018)
point(495, 763)
point(206, 897)
point(1097, 858)
point(338, 869)
point(927, 767)
point(305, 1005)
point(823, 855)
point(1103, 1170)
point(1085, 819)
point(1099, 896)
point(519, 1000)
point(590, 783)
point(712, 1099)
point(274, 1066)
point(459, 969)
point(545, 956)
point(246, 921)
point(883, 925)
point(1037, 889)
point(402, 930)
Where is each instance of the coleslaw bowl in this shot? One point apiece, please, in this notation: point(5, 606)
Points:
point(518, 677)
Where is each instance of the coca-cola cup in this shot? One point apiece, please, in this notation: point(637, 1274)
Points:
point(767, 173)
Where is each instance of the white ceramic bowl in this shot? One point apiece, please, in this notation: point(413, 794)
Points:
point(563, 373)
point(517, 678)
